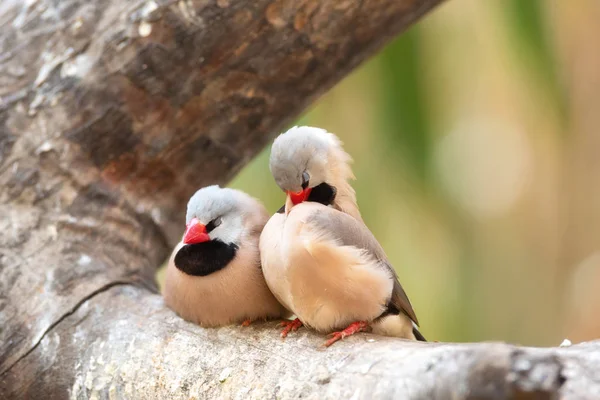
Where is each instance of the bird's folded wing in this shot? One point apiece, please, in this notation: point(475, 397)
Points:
point(350, 232)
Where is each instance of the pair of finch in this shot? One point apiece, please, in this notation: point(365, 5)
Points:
point(315, 258)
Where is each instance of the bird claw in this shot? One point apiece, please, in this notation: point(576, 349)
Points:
point(246, 323)
point(290, 326)
point(355, 327)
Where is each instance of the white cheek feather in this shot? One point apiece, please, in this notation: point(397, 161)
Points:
point(230, 230)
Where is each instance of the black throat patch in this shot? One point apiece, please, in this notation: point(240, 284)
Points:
point(202, 259)
point(323, 193)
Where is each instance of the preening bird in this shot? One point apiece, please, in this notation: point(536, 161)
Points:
point(318, 257)
point(311, 165)
point(214, 275)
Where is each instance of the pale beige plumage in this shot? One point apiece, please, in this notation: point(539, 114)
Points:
point(330, 271)
point(321, 261)
point(236, 293)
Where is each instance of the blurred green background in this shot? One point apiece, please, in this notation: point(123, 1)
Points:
point(476, 143)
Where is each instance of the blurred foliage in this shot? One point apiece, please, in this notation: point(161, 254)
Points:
point(402, 115)
point(533, 43)
point(473, 136)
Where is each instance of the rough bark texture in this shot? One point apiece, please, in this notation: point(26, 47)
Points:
point(111, 114)
point(123, 343)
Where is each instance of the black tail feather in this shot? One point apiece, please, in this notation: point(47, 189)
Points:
point(418, 335)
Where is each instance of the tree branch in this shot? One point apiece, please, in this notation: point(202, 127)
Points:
point(148, 352)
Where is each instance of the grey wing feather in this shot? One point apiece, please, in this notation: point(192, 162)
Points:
point(350, 232)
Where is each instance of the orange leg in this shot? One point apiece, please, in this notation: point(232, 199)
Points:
point(246, 323)
point(290, 326)
point(355, 327)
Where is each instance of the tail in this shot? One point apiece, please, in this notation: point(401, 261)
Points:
point(418, 335)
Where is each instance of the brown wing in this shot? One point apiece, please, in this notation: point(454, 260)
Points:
point(400, 299)
point(350, 232)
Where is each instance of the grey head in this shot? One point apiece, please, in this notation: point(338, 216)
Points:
point(223, 211)
point(301, 157)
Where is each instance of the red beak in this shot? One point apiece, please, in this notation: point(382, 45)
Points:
point(300, 196)
point(195, 233)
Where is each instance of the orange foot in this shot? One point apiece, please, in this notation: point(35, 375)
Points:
point(246, 323)
point(355, 327)
point(290, 326)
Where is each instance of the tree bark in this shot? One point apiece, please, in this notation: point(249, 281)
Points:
point(112, 114)
point(123, 343)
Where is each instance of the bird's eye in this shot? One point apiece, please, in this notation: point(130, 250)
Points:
point(213, 224)
point(305, 179)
